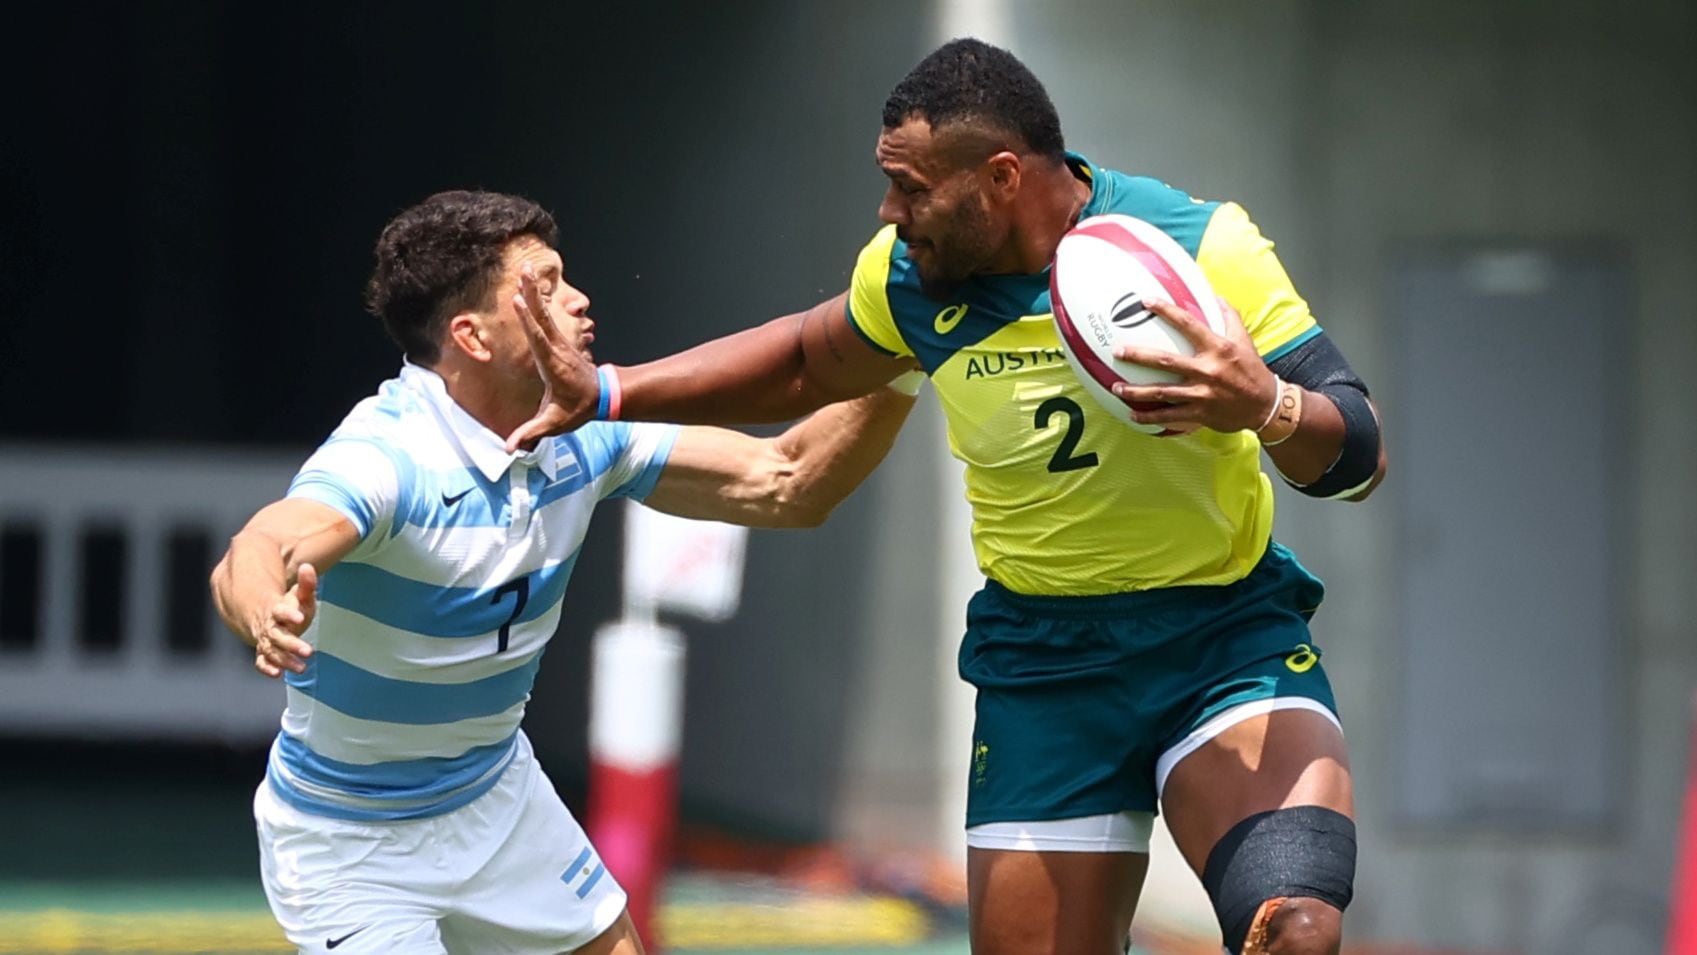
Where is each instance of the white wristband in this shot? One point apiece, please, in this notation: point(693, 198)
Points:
point(908, 383)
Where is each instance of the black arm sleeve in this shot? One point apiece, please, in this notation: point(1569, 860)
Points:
point(1318, 366)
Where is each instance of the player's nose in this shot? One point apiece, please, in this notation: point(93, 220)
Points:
point(892, 210)
point(574, 301)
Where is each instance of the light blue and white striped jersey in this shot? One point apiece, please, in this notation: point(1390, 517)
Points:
point(429, 633)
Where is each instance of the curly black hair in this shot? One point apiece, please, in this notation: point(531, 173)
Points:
point(442, 257)
point(969, 81)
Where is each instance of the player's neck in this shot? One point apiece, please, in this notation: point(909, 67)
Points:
point(1056, 200)
point(490, 400)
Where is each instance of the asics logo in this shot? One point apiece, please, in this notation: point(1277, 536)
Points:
point(1303, 659)
point(948, 318)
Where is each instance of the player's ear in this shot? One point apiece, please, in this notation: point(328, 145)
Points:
point(1003, 174)
point(468, 333)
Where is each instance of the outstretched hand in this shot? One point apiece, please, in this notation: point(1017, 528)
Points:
point(1225, 386)
point(570, 387)
point(277, 638)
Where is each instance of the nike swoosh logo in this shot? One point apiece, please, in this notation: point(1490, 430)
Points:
point(332, 943)
point(450, 502)
point(948, 318)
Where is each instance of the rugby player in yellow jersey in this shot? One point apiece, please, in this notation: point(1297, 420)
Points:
point(1140, 641)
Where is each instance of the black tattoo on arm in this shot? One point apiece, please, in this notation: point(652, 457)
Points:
point(831, 341)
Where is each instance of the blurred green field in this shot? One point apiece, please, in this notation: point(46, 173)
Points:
point(705, 914)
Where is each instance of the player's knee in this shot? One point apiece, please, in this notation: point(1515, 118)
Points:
point(1302, 860)
point(1301, 926)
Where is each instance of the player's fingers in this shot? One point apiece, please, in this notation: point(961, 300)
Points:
point(306, 580)
point(549, 420)
point(266, 666)
point(284, 661)
point(1165, 394)
point(1188, 325)
point(306, 588)
point(1235, 329)
point(288, 613)
point(286, 642)
point(1156, 358)
point(1169, 414)
point(533, 312)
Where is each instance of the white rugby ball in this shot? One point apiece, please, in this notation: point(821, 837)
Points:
point(1105, 272)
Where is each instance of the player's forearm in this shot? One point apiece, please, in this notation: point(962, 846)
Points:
point(1317, 454)
point(756, 376)
point(1307, 453)
point(833, 451)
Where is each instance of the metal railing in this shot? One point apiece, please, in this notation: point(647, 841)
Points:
point(106, 627)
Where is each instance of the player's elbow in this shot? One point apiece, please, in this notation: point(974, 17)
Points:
point(1377, 478)
point(802, 518)
point(783, 491)
point(220, 571)
point(799, 505)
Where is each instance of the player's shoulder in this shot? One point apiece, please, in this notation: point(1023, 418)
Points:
point(599, 445)
point(388, 432)
point(391, 414)
point(1176, 212)
point(883, 261)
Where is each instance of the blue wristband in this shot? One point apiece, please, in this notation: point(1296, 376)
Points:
point(602, 403)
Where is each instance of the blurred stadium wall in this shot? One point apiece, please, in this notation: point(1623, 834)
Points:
point(188, 195)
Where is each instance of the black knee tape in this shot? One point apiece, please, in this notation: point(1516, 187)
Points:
point(1304, 851)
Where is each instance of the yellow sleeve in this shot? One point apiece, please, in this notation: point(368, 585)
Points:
point(869, 302)
point(1240, 264)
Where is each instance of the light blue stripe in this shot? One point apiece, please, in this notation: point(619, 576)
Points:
point(412, 779)
point(564, 487)
point(364, 695)
point(571, 870)
point(1292, 345)
point(458, 498)
point(320, 807)
point(339, 492)
point(317, 486)
point(642, 485)
point(463, 498)
point(433, 611)
point(598, 446)
point(589, 883)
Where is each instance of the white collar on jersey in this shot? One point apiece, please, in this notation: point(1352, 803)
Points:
point(486, 449)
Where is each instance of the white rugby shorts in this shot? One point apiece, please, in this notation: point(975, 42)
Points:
point(511, 872)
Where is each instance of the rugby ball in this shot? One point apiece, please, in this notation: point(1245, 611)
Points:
point(1106, 270)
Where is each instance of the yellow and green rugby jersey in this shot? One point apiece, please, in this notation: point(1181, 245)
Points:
point(1066, 500)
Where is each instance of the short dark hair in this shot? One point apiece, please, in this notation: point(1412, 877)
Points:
point(968, 80)
point(442, 257)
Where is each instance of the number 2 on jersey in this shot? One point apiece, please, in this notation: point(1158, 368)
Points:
point(1064, 460)
point(519, 587)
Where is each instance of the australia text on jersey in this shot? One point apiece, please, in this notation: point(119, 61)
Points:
point(991, 364)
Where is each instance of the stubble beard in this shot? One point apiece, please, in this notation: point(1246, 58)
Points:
point(969, 245)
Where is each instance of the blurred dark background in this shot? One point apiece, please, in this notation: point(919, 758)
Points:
point(189, 196)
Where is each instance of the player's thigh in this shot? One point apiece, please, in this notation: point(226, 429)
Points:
point(347, 887)
point(1035, 903)
point(1269, 761)
point(544, 890)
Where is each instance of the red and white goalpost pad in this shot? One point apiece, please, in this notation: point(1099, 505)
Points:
point(635, 723)
point(691, 568)
point(1682, 903)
